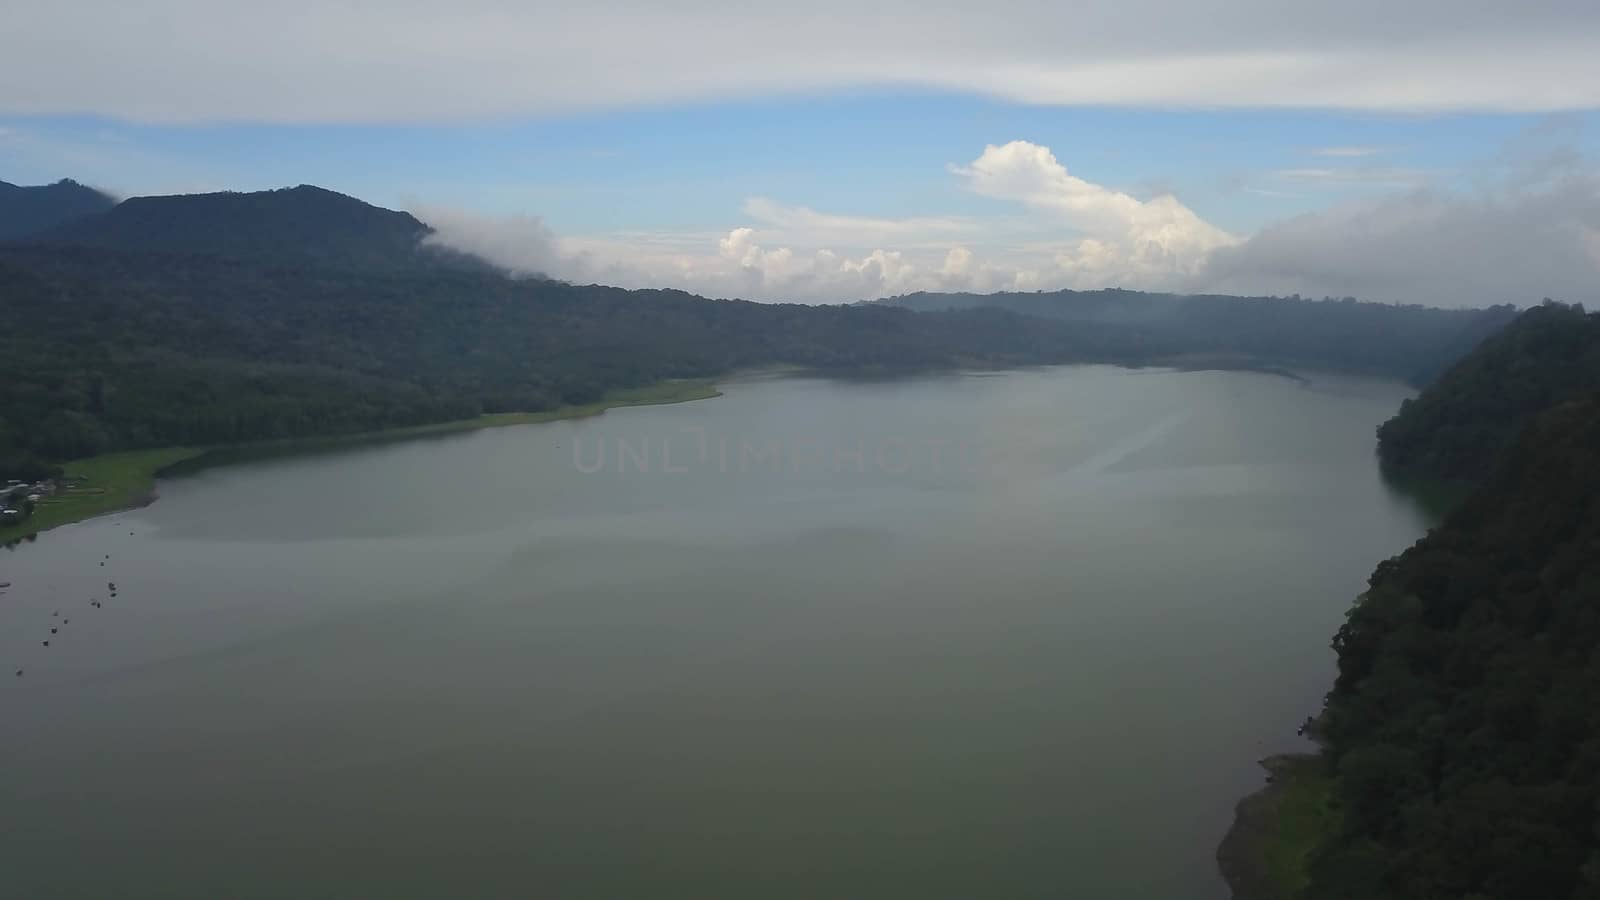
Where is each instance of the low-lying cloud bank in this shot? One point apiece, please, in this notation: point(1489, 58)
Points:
point(1531, 231)
point(1435, 247)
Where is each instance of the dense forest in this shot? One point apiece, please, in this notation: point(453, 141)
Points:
point(1463, 731)
point(1458, 429)
point(1413, 343)
point(218, 318)
point(112, 350)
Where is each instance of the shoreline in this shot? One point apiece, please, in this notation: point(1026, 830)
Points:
point(116, 482)
point(1276, 829)
point(124, 480)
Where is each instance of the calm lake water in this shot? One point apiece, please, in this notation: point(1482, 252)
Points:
point(1011, 635)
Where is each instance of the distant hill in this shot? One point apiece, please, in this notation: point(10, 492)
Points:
point(215, 318)
point(26, 211)
point(1410, 342)
point(299, 224)
point(1460, 427)
point(124, 349)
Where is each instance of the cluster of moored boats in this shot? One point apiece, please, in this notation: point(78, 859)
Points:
point(58, 621)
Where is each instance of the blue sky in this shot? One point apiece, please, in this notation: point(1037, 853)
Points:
point(1431, 151)
point(690, 167)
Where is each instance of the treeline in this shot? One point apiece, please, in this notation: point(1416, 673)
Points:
point(1413, 343)
point(1459, 428)
point(103, 350)
point(1463, 731)
point(228, 317)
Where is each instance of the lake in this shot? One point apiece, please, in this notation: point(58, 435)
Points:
point(984, 635)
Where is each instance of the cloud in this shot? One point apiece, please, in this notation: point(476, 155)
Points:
point(1348, 152)
point(1356, 176)
point(1268, 192)
point(1527, 227)
point(308, 61)
point(520, 244)
point(738, 263)
point(799, 223)
point(1521, 226)
point(1445, 248)
point(1069, 233)
point(1127, 240)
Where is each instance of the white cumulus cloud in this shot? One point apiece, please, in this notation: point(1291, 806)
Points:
point(1069, 232)
point(1528, 228)
point(1128, 240)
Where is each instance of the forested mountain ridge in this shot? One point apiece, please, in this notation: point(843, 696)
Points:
point(1463, 731)
point(227, 317)
point(1413, 343)
point(305, 223)
point(116, 350)
point(29, 210)
point(1458, 428)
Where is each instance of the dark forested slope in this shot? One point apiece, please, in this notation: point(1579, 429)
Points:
point(1459, 427)
point(1463, 731)
point(1464, 728)
point(110, 349)
point(302, 223)
point(29, 210)
point(1409, 342)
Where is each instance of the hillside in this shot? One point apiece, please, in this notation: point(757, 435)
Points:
point(26, 211)
point(1463, 732)
point(1460, 426)
point(217, 318)
point(303, 224)
point(1462, 737)
point(1410, 342)
point(121, 350)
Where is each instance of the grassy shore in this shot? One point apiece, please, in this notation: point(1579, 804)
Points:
point(116, 481)
point(1276, 829)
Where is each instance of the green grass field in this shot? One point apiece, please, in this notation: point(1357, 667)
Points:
point(114, 481)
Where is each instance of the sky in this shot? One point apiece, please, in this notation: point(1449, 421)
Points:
point(1431, 151)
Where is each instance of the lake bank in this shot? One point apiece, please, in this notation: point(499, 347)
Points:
point(113, 482)
point(1276, 829)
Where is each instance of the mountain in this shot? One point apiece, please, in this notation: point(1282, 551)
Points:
point(1463, 732)
point(26, 211)
point(219, 318)
point(299, 224)
point(1410, 342)
point(1458, 428)
point(127, 349)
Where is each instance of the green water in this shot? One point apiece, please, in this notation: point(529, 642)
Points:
point(1014, 635)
